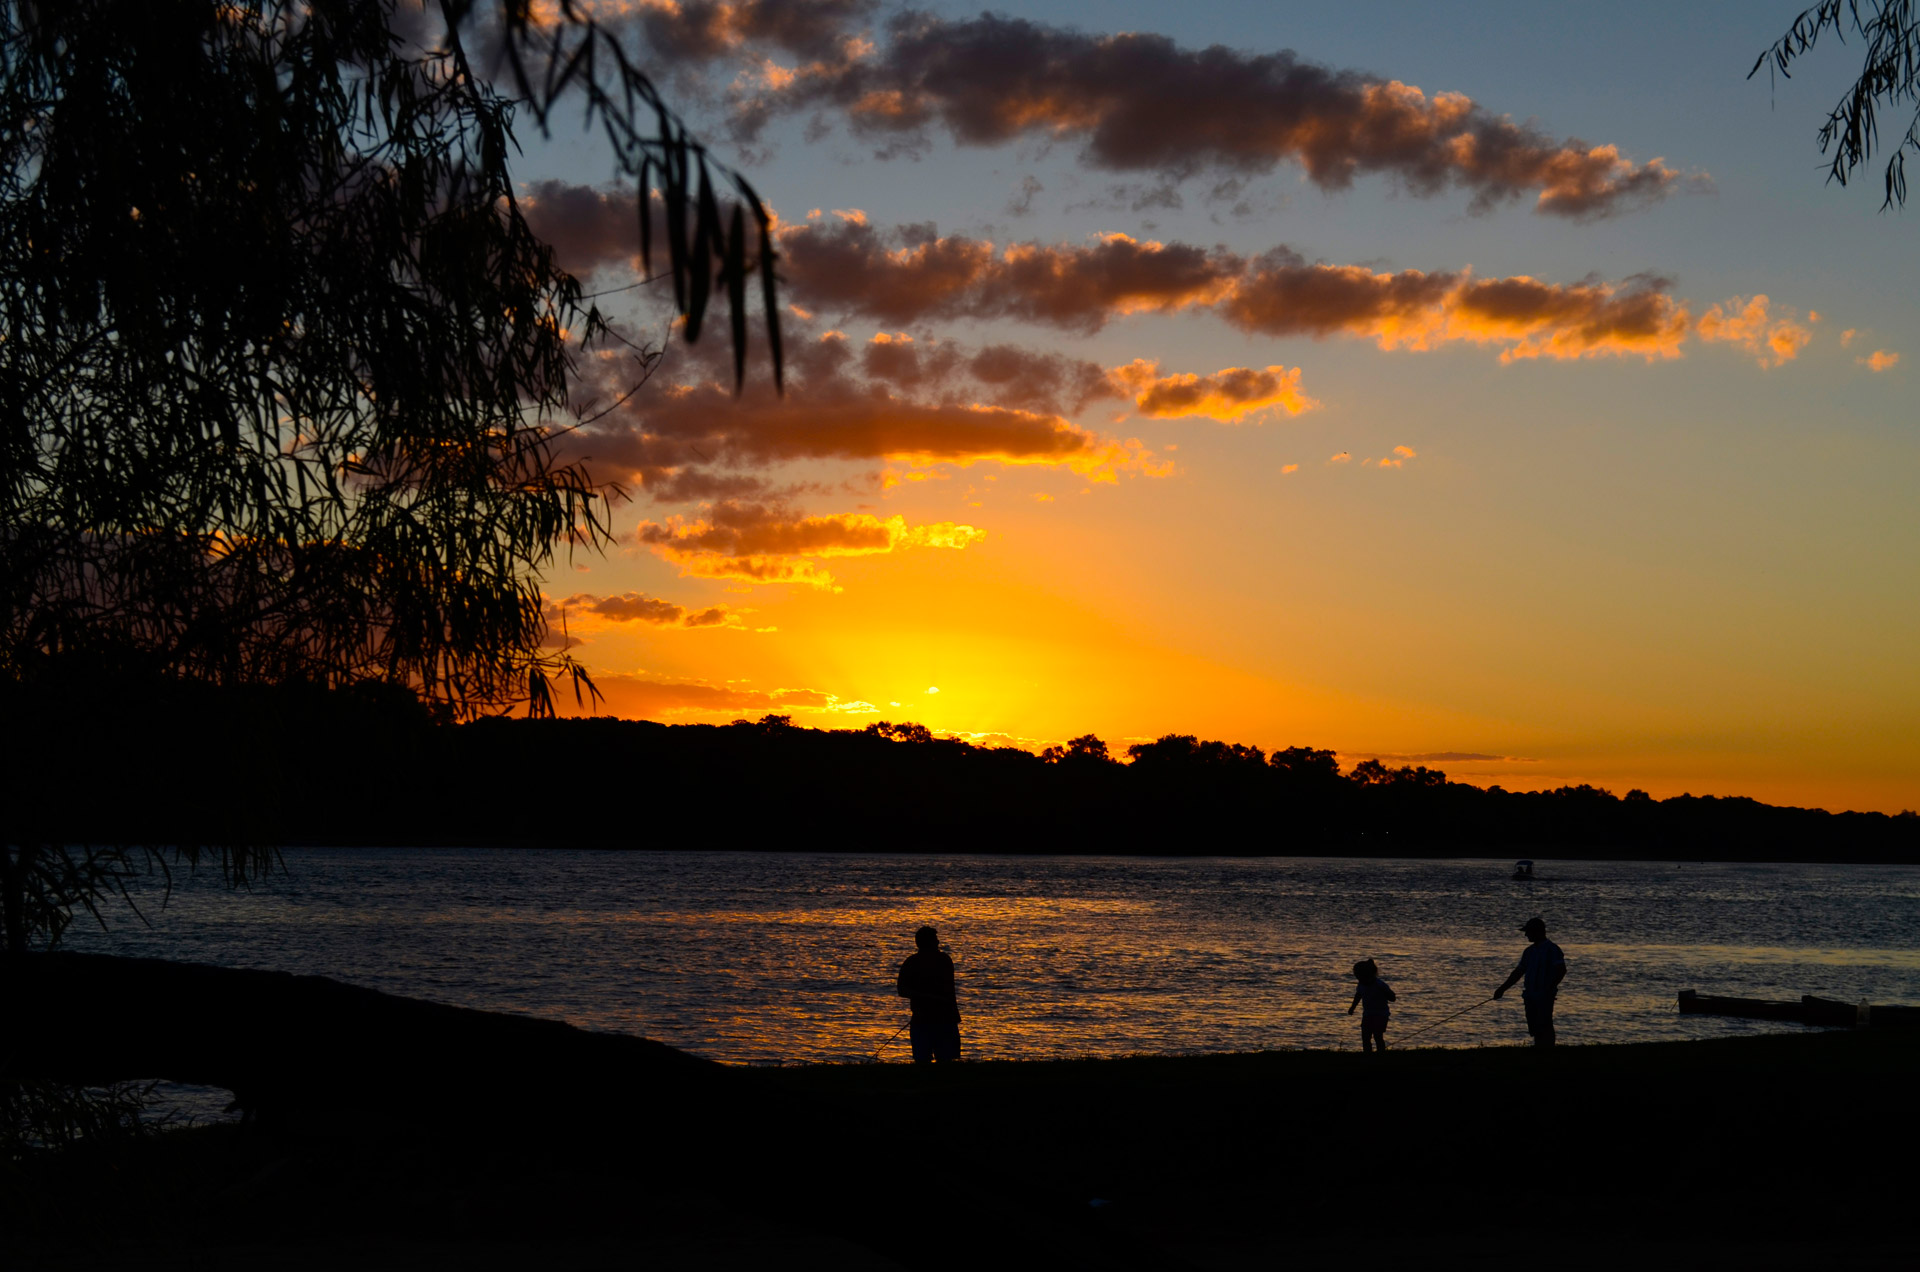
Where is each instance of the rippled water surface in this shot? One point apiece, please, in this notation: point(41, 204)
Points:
point(791, 957)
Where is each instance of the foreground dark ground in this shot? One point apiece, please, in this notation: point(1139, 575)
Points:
point(1782, 1151)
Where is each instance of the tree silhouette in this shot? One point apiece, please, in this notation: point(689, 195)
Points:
point(1371, 773)
point(282, 367)
point(1181, 752)
point(1085, 749)
point(1889, 31)
point(1304, 765)
point(903, 732)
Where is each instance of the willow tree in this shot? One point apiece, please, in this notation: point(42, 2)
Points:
point(282, 367)
point(1889, 79)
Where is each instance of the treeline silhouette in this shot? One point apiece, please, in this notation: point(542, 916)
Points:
point(297, 766)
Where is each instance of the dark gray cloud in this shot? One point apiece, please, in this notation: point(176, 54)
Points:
point(912, 274)
point(688, 436)
point(638, 608)
point(1141, 103)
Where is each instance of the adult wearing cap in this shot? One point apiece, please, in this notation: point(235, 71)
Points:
point(1542, 966)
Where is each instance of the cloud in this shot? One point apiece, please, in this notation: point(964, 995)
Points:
point(1289, 468)
point(639, 608)
point(1022, 204)
point(1846, 337)
point(639, 697)
point(1343, 457)
point(993, 740)
point(1140, 103)
point(1431, 757)
point(892, 399)
point(912, 274)
point(1227, 396)
point(1399, 458)
point(700, 30)
point(1879, 360)
point(586, 227)
point(1748, 324)
point(1283, 295)
point(1006, 375)
point(760, 543)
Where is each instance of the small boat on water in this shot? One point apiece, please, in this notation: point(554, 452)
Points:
point(1810, 1010)
point(1523, 871)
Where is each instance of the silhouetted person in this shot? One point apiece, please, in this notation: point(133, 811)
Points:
point(1542, 966)
point(1375, 994)
point(926, 980)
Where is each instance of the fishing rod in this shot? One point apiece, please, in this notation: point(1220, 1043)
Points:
point(1436, 1024)
point(896, 1033)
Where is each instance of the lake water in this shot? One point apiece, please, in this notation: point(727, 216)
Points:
point(770, 958)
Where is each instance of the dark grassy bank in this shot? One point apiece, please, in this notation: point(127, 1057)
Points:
point(1782, 1151)
point(182, 763)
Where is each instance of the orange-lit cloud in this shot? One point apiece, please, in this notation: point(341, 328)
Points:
point(681, 40)
point(1140, 103)
point(1004, 375)
point(1227, 396)
point(1283, 295)
point(912, 274)
point(698, 30)
point(639, 608)
point(1431, 757)
point(1879, 360)
point(1399, 458)
point(640, 697)
point(760, 428)
point(891, 399)
point(759, 543)
point(1289, 468)
point(1771, 338)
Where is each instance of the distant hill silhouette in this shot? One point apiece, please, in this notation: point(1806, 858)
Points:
point(292, 766)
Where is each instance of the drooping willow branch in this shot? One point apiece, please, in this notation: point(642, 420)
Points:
point(1889, 76)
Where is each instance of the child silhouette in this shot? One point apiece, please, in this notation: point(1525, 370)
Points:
point(1375, 994)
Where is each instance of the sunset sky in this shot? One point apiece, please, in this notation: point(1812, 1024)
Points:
point(1491, 386)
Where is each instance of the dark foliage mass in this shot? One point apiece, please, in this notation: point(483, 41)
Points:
point(283, 364)
point(768, 785)
point(283, 368)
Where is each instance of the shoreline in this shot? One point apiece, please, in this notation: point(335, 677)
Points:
point(1441, 853)
point(586, 1150)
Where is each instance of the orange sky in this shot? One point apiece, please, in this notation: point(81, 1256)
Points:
point(1536, 459)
